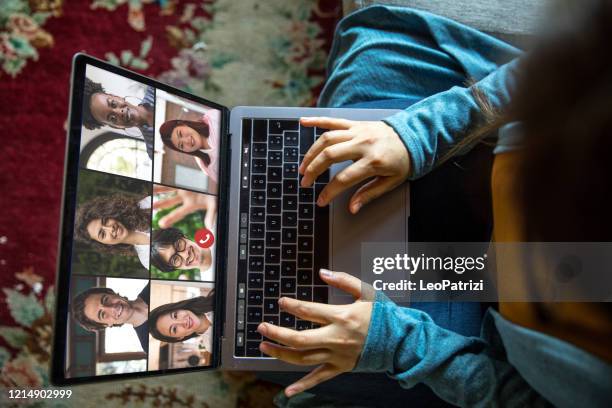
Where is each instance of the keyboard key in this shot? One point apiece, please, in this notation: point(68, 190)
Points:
point(289, 235)
point(254, 314)
point(306, 194)
point(319, 131)
point(258, 214)
point(275, 174)
point(304, 276)
point(288, 285)
point(306, 211)
point(289, 219)
point(272, 255)
point(252, 349)
point(252, 333)
point(256, 263)
point(290, 187)
point(305, 243)
point(272, 290)
point(273, 238)
point(271, 306)
point(259, 150)
point(288, 268)
point(304, 293)
point(289, 252)
point(275, 190)
point(290, 203)
point(287, 320)
point(256, 247)
point(258, 181)
point(255, 297)
point(291, 154)
point(256, 231)
point(275, 142)
point(256, 280)
point(274, 206)
point(319, 294)
point(260, 131)
point(291, 138)
point(302, 325)
point(275, 158)
point(306, 138)
point(305, 227)
point(290, 170)
point(258, 166)
point(278, 126)
point(258, 197)
point(323, 177)
point(272, 272)
point(304, 260)
point(271, 319)
point(273, 222)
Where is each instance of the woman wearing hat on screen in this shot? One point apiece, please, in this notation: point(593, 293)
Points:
point(116, 224)
point(180, 321)
point(199, 139)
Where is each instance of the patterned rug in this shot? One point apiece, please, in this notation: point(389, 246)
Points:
point(266, 52)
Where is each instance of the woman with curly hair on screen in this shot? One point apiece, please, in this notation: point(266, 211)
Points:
point(180, 321)
point(116, 224)
point(196, 138)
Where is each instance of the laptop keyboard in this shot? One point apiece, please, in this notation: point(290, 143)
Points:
point(283, 234)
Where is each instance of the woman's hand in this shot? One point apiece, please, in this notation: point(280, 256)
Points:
point(188, 202)
point(336, 346)
point(375, 148)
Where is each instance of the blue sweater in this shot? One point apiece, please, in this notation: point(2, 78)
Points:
point(386, 53)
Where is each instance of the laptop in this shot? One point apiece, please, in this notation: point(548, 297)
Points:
point(183, 222)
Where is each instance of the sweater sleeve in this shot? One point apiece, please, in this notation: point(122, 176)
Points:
point(466, 371)
point(433, 128)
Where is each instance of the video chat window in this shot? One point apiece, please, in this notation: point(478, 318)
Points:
point(143, 259)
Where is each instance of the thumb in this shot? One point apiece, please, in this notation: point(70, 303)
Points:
point(370, 191)
point(342, 281)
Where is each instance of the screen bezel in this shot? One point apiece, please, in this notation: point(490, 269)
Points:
point(68, 207)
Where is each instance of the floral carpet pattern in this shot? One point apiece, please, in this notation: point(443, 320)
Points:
point(266, 52)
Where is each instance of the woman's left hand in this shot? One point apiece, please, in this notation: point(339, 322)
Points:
point(335, 346)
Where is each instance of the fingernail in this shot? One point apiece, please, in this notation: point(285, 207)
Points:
point(281, 302)
point(356, 207)
point(320, 201)
point(263, 347)
point(326, 273)
point(289, 391)
point(261, 329)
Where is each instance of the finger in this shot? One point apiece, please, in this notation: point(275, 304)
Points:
point(314, 312)
point(327, 139)
point(372, 190)
point(174, 216)
point(348, 177)
point(158, 188)
point(327, 122)
point(211, 216)
point(316, 376)
point(343, 281)
point(167, 202)
point(303, 340)
point(333, 154)
point(293, 356)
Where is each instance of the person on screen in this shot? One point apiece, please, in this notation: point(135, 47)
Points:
point(101, 108)
point(180, 321)
point(172, 250)
point(116, 224)
point(97, 308)
point(196, 138)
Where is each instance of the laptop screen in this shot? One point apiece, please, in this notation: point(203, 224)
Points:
point(142, 281)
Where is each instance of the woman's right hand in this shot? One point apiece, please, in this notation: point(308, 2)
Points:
point(377, 152)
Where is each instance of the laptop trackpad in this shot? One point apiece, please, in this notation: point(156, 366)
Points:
point(382, 220)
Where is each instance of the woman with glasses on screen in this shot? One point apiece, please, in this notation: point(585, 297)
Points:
point(116, 224)
point(180, 321)
point(171, 250)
